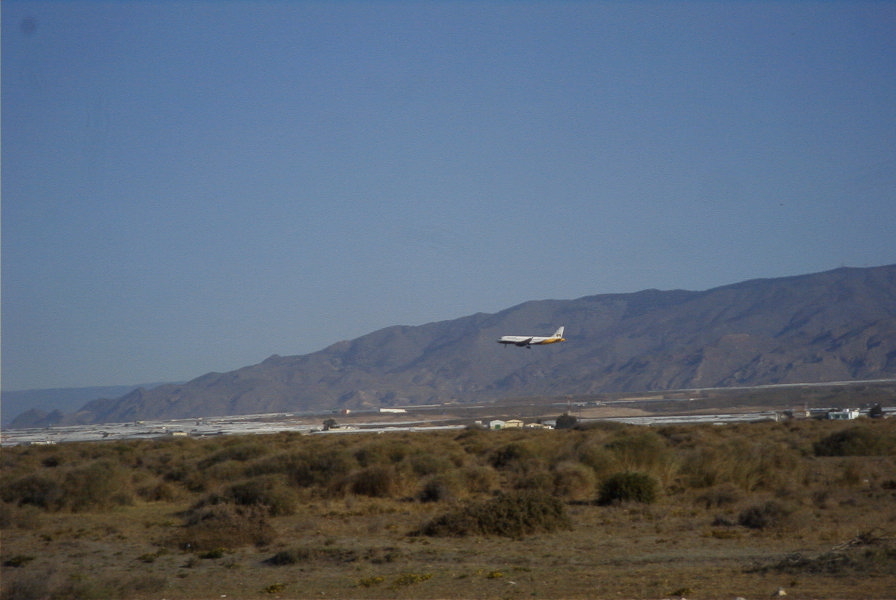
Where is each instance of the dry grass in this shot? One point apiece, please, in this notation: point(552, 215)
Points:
point(741, 511)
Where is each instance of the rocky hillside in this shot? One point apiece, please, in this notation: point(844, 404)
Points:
point(833, 326)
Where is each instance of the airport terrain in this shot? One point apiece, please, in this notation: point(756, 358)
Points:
point(804, 507)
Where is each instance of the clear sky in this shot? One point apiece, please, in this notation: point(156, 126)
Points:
point(194, 186)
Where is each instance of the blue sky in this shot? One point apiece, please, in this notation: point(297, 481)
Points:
point(194, 186)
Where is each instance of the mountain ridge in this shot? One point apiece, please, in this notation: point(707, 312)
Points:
point(830, 326)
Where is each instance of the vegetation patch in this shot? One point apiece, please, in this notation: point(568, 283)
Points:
point(770, 514)
point(856, 441)
point(223, 526)
point(410, 579)
point(514, 514)
point(440, 488)
point(869, 554)
point(785, 492)
point(19, 560)
point(376, 482)
point(266, 493)
point(303, 555)
point(371, 581)
point(628, 487)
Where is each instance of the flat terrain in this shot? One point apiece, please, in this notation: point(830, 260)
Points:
point(742, 510)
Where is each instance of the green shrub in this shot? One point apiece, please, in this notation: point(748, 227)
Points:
point(307, 468)
point(36, 489)
point(376, 482)
point(160, 491)
point(479, 480)
point(94, 486)
point(574, 481)
point(295, 556)
point(628, 487)
point(223, 526)
point(511, 455)
point(764, 516)
point(98, 485)
point(441, 488)
point(734, 461)
point(288, 557)
point(595, 455)
point(640, 450)
point(410, 579)
point(241, 452)
point(514, 514)
point(856, 441)
point(429, 463)
point(383, 451)
point(266, 492)
point(19, 560)
point(719, 496)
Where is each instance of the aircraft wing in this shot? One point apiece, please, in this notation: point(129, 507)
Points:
point(524, 342)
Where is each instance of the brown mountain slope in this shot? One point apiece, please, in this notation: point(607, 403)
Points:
point(833, 326)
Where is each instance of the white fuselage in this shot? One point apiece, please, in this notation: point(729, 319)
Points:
point(532, 340)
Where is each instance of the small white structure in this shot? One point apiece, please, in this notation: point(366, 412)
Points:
point(496, 424)
point(845, 414)
point(513, 424)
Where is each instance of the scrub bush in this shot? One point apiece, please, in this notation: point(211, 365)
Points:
point(430, 463)
point(511, 455)
point(383, 451)
point(644, 451)
point(241, 452)
point(98, 485)
point(628, 487)
point(479, 480)
point(764, 516)
point(748, 464)
point(856, 441)
point(307, 468)
point(329, 554)
point(594, 454)
point(574, 481)
point(37, 490)
point(441, 488)
point(719, 496)
point(514, 515)
point(375, 482)
point(267, 493)
point(223, 526)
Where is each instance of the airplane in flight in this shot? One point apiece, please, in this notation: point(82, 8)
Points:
point(529, 340)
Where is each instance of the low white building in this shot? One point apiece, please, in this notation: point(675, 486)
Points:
point(844, 414)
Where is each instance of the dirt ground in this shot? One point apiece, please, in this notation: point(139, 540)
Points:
point(363, 548)
point(833, 535)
